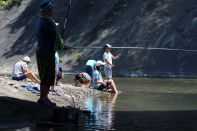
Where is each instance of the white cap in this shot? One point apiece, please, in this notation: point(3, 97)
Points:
point(26, 58)
point(108, 46)
point(99, 63)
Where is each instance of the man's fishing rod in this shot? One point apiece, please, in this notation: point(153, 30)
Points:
point(66, 18)
point(137, 47)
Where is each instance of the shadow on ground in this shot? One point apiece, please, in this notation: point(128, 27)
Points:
point(15, 111)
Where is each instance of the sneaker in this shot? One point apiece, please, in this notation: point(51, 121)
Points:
point(56, 92)
point(52, 92)
point(109, 90)
point(46, 103)
point(59, 92)
point(105, 89)
point(59, 84)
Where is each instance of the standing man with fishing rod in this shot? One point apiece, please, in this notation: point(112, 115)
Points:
point(49, 41)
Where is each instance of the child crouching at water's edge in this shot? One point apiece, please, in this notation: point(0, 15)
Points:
point(98, 82)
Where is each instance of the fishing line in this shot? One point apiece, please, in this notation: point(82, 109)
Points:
point(138, 47)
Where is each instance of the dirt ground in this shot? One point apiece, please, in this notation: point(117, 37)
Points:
point(19, 106)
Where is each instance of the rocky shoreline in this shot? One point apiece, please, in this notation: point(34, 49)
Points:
point(19, 105)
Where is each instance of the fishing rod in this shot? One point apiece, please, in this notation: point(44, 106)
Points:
point(137, 47)
point(66, 18)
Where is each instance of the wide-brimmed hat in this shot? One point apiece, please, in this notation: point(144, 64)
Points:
point(26, 58)
point(46, 5)
point(100, 63)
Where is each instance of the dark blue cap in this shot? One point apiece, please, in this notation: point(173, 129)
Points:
point(46, 5)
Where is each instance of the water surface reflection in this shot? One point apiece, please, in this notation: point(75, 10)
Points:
point(102, 111)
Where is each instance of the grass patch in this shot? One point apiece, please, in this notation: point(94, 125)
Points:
point(5, 4)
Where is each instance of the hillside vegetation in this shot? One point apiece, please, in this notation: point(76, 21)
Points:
point(4, 4)
point(124, 23)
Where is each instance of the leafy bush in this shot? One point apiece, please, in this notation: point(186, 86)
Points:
point(8, 3)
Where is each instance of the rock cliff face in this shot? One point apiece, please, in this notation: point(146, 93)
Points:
point(124, 23)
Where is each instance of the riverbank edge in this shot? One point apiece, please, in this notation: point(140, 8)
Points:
point(19, 106)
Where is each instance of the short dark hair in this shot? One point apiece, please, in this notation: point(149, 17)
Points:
point(77, 76)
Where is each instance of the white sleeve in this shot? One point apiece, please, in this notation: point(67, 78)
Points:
point(105, 56)
point(24, 66)
point(111, 55)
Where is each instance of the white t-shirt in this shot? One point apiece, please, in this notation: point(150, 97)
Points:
point(107, 56)
point(19, 68)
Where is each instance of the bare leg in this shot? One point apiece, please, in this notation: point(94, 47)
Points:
point(32, 76)
point(113, 87)
point(53, 87)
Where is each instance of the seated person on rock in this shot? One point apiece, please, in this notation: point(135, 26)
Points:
point(20, 71)
point(98, 81)
point(82, 79)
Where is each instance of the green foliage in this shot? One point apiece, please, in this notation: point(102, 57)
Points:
point(79, 58)
point(8, 3)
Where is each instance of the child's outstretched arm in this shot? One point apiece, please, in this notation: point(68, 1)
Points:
point(117, 56)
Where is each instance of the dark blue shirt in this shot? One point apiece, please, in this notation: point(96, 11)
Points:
point(46, 34)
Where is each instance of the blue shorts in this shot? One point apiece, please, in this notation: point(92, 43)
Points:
point(59, 75)
point(108, 72)
point(18, 78)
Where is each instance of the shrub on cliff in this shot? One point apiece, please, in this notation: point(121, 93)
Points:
point(4, 4)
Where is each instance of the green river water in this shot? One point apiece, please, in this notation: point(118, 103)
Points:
point(145, 104)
